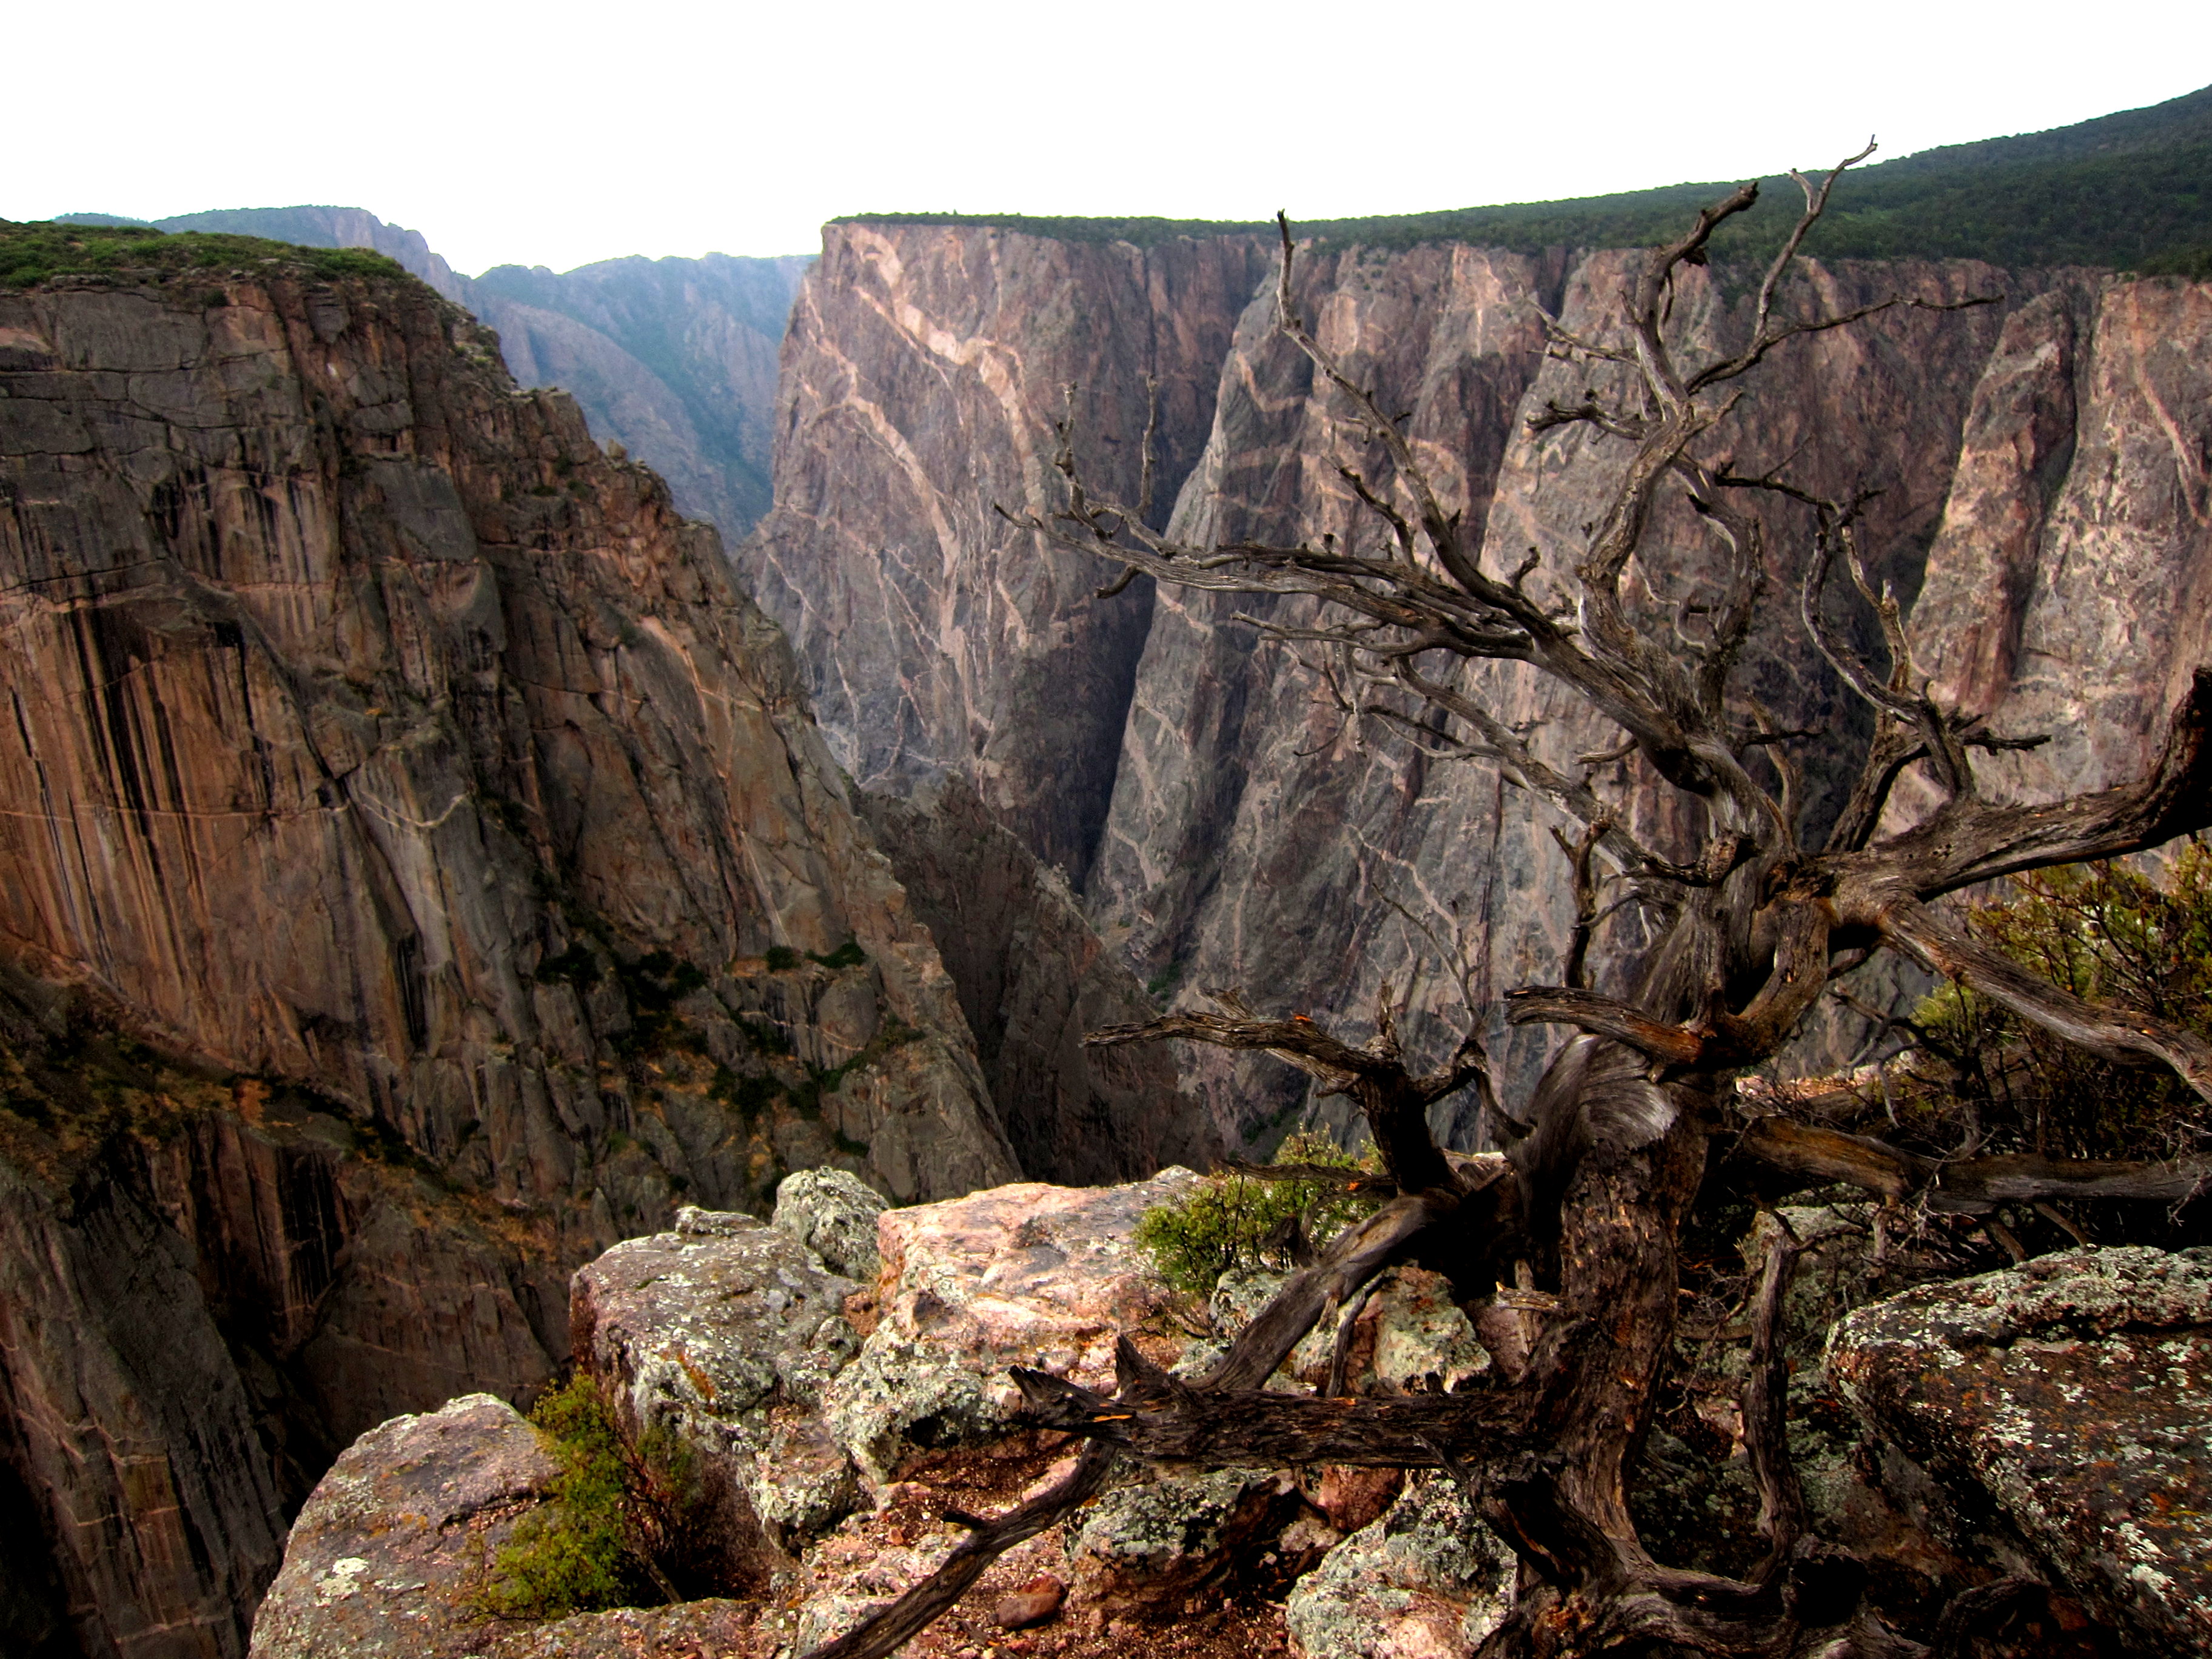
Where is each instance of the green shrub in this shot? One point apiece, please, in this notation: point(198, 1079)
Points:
point(617, 1507)
point(848, 955)
point(2110, 934)
point(1230, 1219)
point(781, 958)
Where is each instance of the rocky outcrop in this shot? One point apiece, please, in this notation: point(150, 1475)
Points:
point(833, 1213)
point(1028, 1274)
point(723, 1334)
point(1035, 979)
point(383, 1560)
point(2074, 1394)
point(411, 774)
point(1426, 1580)
point(726, 1332)
point(674, 358)
point(923, 372)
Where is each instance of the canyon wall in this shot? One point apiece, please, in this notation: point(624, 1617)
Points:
point(420, 869)
point(674, 358)
point(2041, 460)
point(922, 375)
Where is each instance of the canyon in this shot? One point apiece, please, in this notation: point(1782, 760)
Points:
point(2041, 464)
point(422, 871)
point(432, 855)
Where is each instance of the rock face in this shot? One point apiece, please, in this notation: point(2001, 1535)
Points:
point(2042, 467)
point(382, 1559)
point(1255, 838)
point(414, 776)
point(2075, 1393)
point(2069, 587)
point(921, 376)
point(1035, 979)
point(674, 358)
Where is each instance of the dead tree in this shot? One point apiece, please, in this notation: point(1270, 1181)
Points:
point(1747, 927)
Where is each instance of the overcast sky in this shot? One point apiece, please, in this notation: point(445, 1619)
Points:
point(557, 133)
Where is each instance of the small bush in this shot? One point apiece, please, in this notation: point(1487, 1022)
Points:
point(848, 955)
point(781, 958)
point(618, 1504)
point(2110, 934)
point(1231, 1220)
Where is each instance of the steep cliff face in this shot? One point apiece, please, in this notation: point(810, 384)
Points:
point(1256, 839)
point(674, 358)
point(412, 778)
point(1035, 978)
point(1252, 838)
point(923, 372)
point(2070, 589)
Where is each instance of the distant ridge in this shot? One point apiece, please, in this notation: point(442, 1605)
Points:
point(2130, 191)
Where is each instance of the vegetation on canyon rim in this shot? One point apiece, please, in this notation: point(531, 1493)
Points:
point(32, 252)
point(609, 1536)
point(1258, 1220)
point(2126, 190)
point(1697, 950)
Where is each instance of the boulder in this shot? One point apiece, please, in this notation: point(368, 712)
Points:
point(2075, 1392)
point(1427, 1581)
point(381, 1560)
point(727, 1331)
point(1028, 1274)
point(833, 1213)
point(1151, 1546)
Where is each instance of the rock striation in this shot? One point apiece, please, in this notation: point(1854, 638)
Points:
point(922, 375)
point(445, 879)
point(2041, 461)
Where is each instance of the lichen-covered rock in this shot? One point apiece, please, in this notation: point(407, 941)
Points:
point(1409, 1336)
point(381, 1558)
point(1046, 1277)
point(2076, 1391)
point(1153, 1545)
point(703, 1330)
point(686, 1630)
point(1427, 1581)
point(833, 1213)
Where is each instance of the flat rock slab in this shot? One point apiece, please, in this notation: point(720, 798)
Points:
point(383, 1555)
point(2076, 1391)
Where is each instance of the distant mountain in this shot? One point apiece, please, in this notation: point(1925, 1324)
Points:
point(674, 358)
point(2131, 191)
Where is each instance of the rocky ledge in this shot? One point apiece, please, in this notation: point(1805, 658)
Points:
point(838, 1373)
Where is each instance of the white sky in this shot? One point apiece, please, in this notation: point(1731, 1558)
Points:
point(557, 133)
